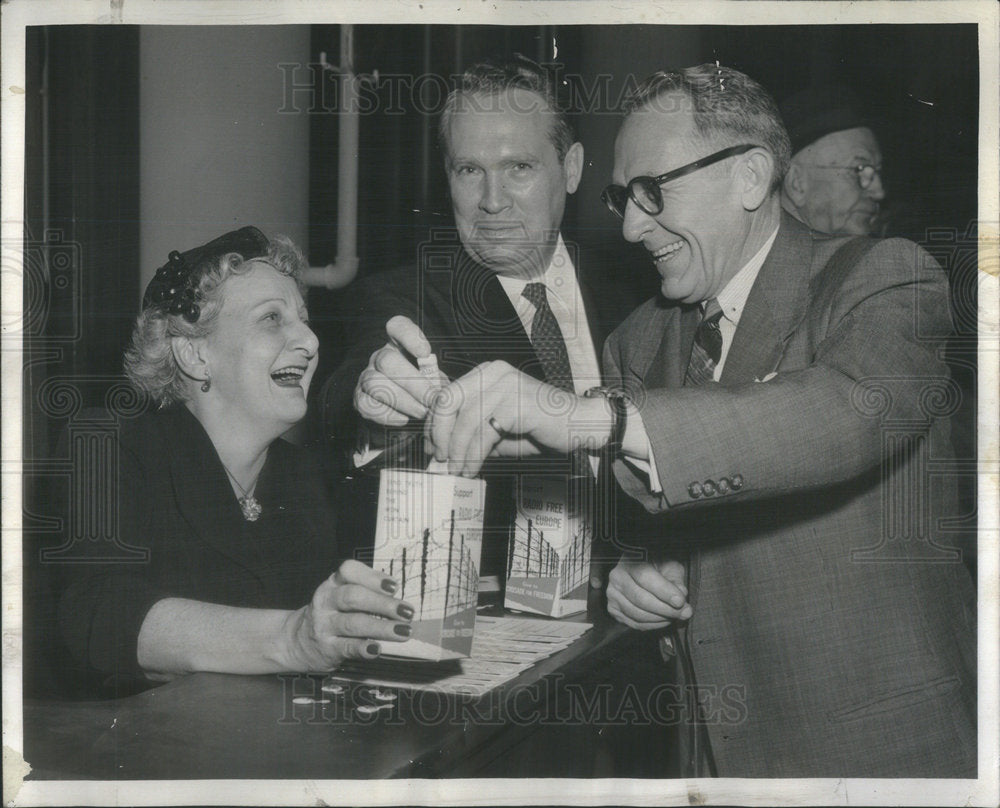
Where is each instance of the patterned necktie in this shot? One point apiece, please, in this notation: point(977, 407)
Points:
point(547, 339)
point(550, 347)
point(707, 349)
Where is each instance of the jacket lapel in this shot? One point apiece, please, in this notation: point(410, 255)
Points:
point(661, 359)
point(486, 325)
point(775, 306)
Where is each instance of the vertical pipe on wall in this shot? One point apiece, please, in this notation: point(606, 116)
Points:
point(345, 268)
point(347, 170)
point(543, 36)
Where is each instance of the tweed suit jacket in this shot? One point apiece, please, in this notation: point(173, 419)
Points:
point(834, 627)
point(468, 318)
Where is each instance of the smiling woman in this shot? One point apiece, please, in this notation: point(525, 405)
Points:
point(233, 523)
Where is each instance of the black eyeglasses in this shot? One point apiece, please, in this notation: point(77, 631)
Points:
point(645, 191)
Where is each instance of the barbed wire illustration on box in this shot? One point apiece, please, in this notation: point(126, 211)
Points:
point(530, 555)
point(436, 572)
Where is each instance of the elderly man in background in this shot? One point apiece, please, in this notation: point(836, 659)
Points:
point(834, 181)
point(777, 408)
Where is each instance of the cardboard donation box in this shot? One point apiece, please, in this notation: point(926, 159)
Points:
point(548, 558)
point(429, 537)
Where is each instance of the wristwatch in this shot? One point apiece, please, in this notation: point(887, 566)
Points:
point(619, 409)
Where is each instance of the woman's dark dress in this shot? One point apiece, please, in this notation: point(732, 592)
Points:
point(175, 502)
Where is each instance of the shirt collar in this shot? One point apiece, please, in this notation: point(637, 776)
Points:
point(734, 296)
point(559, 275)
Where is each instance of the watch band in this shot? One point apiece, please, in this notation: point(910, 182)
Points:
point(619, 409)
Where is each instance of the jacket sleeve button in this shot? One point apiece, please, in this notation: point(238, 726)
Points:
point(724, 487)
point(708, 488)
point(694, 490)
point(737, 481)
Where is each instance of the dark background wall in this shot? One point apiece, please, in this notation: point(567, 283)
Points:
point(81, 196)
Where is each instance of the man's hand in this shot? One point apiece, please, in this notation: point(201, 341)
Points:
point(392, 390)
point(496, 409)
point(647, 596)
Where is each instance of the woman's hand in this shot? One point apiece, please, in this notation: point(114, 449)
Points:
point(351, 613)
point(647, 596)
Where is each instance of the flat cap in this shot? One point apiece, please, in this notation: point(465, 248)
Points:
point(820, 110)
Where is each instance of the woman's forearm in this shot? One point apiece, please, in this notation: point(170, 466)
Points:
point(182, 636)
point(348, 617)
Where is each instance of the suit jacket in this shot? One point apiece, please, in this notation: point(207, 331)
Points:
point(468, 318)
point(833, 628)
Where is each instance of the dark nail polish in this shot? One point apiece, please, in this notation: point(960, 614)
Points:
point(389, 585)
point(404, 611)
point(402, 629)
point(372, 648)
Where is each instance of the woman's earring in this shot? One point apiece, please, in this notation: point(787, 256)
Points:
point(207, 384)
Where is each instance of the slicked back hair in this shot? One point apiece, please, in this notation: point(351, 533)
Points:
point(493, 77)
point(728, 108)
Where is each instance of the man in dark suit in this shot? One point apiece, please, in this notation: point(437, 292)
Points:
point(511, 160)
point(782, 412)
point(473, 296)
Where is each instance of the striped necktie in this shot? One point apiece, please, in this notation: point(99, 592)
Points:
point(707, 349)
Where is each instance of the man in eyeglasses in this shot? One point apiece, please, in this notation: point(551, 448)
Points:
point(774, 407)
point(834, 181)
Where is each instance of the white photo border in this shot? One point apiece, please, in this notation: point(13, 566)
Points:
point(17, 14)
